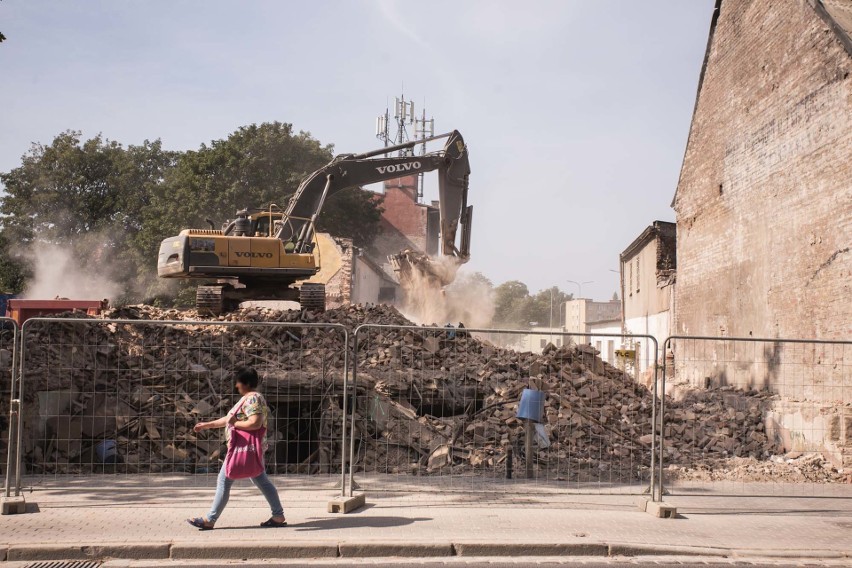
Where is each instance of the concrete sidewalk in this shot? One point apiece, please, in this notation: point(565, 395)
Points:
point(147, 522)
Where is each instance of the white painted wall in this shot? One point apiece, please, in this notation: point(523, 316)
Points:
point(655, 325)
point(606, 345)
point(535, 343)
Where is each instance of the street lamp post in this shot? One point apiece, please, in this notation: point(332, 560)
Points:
point(580, 286)
point(551, 314)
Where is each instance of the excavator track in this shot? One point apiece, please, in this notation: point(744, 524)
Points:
point(210, 300)
point(312, 297)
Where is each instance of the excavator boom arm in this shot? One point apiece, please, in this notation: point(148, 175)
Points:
point(354, 170)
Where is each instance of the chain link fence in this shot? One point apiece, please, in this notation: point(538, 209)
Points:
point(118, 399)
point(757, 416)
point(441, 408)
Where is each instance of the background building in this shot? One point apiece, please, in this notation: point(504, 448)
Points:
point(536, 342)
point(648, 268)
point(582, 313)
point(604, 343)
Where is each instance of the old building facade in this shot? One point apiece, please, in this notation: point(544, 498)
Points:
point(764, 199)
point(764, 216)
point(648, 269)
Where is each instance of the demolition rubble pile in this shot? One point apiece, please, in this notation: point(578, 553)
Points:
point(428, 402)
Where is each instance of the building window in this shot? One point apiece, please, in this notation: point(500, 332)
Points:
point(598, 346)
point(637, 274)
point(610, 345)
point(630, 286)
point(543, 343)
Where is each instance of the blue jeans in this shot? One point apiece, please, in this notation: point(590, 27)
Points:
point(223, 491)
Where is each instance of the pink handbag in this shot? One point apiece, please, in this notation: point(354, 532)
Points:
point(245, 452)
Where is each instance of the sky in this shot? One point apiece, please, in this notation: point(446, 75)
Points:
point(576, 113)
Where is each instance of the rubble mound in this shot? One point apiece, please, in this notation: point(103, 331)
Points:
point(429, 402)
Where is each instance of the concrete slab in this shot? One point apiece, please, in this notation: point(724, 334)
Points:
point(253, 550)
point(347, 504)
point(14, 505)
point(657, 508)
point(401, 549)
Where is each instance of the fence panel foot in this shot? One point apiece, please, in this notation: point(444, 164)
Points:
point(347, 504)
point(657, 509)
point(14, 505)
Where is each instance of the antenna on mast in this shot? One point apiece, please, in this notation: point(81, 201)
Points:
point(423, 129)
point(403, 119)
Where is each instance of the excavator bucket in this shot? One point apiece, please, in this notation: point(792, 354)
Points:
point(452, 191)
point(417, 269)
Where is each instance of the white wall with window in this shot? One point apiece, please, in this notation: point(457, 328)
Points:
point(606, 345)
point(536, 342)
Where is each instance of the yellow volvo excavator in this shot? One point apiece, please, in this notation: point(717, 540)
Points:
point(265, 256)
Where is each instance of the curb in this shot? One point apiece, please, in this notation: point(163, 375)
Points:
point(531, 549)
point(137, 551)
point(792, 553)
point(334, 549)
point(400, 549)
point(242, 550)
point(666, 550)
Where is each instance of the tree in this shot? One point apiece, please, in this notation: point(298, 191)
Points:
point(87, 197)
point(13, 272)
point(515, 307)
point(110, 206)
point(546, 306)
point(254, 167)
point(512, 304)
point(353, 213)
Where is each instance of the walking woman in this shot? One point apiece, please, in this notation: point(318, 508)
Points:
point(250, 414)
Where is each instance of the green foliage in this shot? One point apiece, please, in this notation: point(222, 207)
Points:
point(113, 205)
point(517, 308)
point(13, 272)
point(512, 304)
point(353, 213)
point(85, 196)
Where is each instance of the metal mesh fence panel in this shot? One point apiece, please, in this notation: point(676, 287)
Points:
point(441, 408)
point(118, 399)
point(757, 416)
point(8, 399)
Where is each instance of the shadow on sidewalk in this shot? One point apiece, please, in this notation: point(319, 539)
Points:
point(357, 522)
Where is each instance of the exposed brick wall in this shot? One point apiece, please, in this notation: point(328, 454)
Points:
point(764, 202)
point(402, 212)
point(764, 214)
point(405, 224)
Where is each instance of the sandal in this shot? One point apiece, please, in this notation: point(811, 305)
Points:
point(272, 523)
point(201, 524)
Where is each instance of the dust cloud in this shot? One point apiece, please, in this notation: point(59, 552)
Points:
point(59, 272)
point(466, 299)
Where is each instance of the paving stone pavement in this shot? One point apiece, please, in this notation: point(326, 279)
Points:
point(479, 523)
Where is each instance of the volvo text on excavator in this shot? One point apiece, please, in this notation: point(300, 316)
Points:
point(271, 255)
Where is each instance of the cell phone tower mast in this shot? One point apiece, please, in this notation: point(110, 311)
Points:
point(404, 118)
